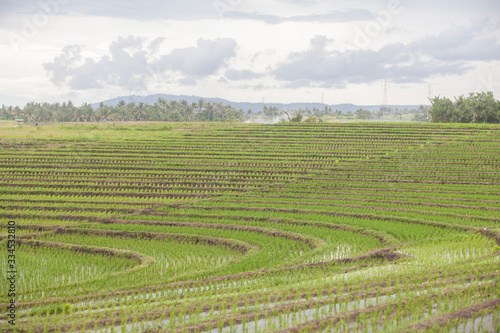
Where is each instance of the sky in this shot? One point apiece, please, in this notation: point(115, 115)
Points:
point(282, 51)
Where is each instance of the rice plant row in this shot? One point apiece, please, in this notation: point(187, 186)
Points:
point(342, 227)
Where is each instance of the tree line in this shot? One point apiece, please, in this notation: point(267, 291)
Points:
point(161, 110)
point(477, 108)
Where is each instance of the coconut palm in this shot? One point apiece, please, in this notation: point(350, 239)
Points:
point(140, 111)
point(296, 117)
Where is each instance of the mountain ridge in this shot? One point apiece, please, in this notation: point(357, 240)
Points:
point(245, 106)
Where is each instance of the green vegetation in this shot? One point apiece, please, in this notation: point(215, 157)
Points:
point(293, 227)
point(477, 108)
point(162, 110)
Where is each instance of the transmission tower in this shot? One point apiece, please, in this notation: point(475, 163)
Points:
point(385, 91)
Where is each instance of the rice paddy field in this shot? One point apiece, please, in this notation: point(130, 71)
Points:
point(320, 227)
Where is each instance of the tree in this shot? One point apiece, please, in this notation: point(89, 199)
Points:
point(29, 111)
point(103, 113)
point(186, 110)
point(193, 109)
point(485, 107)
point(210, 111)
point(162, 110)
point(363, 114)
point(87, 112)
point(79, 115)
point(140, 112)
point(5, 112)
point(421, 114)
point(296, 117)
point(477, 108)
point(271, 112)
point(162, 106)
point(201, 104)
point(43, 112)
point(442, 110)
point(153, 112)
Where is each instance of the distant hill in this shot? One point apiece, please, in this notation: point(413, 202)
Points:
point(255, 107)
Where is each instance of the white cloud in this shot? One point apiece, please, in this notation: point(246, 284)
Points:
point(204, 59)
point(243, 74)
point(448, 53)
point(130, 63)
point(60, 68)
point(261, 48)
point(329, 17)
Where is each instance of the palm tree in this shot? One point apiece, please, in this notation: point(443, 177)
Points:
point(43, 112)
point(70, 111)
point(79, 115)
point(209, 111)
point(152, 112)
point(6, 112)
point(296, 118)
point(201, 104)
point(183, 109)
point(30, 111)
point(186, 110)
point(224, 111)
point(120, 111)
point(162, 106)
point(88, 112)
point(103, 112)
point(140, 111)
point(17, 112)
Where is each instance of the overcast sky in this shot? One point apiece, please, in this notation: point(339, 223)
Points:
point(249, 50)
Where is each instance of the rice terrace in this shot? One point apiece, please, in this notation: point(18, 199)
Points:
point(232, 227)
